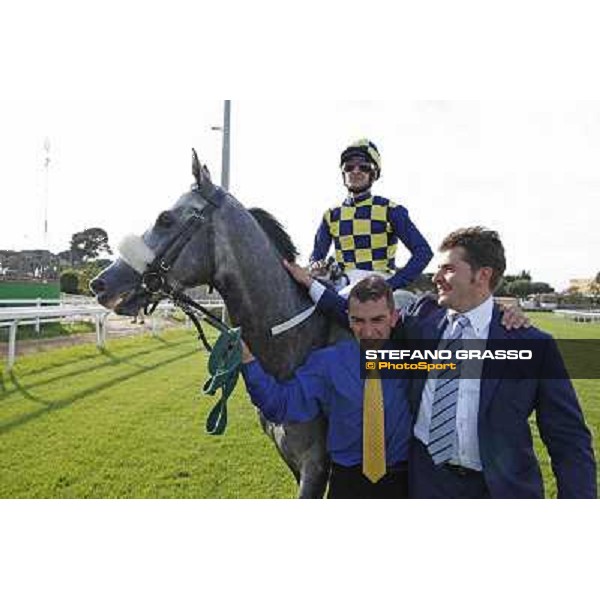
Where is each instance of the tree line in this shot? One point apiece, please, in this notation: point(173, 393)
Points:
point(88, 246)
point(520, 285)
point(84, 258)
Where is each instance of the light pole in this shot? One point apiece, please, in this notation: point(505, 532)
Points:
point(46, 178)
point(226, 129)
point(45, 259)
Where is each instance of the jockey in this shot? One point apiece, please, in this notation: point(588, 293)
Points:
point(365, 229)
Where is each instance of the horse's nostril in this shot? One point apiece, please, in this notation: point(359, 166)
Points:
point(97, 286)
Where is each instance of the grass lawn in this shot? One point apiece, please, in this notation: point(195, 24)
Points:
point(129, 423)
point(562, 328)
point(588, 390)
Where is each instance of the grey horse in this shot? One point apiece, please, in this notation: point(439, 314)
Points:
point(240, 253)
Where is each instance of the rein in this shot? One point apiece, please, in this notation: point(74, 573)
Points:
point(224, 361)
point(226, 356)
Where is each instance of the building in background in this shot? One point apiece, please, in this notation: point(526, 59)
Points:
point(581, 286)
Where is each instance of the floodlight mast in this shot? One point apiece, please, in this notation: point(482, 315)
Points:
point(46, 188)
point(226, 150)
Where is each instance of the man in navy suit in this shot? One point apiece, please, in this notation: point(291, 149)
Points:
point(471, 436)
point(491, 453)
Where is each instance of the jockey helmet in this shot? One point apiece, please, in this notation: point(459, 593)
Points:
point(365, 149)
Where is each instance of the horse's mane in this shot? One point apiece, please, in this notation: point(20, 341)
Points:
point(276, 233)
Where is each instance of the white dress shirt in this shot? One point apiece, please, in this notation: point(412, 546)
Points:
point(466, 446)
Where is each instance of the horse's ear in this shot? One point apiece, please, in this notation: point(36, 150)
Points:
point(196, 168)
point(206, 174)
point(201, 175)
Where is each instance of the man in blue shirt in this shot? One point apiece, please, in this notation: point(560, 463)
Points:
point(365, 229)
point(330, 383)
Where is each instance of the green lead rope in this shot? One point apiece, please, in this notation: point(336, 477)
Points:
point(224, 368)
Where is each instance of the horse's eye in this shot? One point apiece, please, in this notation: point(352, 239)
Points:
point(165, 219)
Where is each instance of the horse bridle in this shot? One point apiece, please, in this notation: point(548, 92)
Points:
point(154, 284)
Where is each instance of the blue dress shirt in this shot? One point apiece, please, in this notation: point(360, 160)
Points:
point(329, 383)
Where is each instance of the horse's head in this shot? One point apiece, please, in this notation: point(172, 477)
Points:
point(175, 253)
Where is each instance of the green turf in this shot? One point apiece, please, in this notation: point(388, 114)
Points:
point(129, 423)
point(562, 328)
point(588, 391)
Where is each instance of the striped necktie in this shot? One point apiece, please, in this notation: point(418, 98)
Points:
point(442, 428)
point(373, 466)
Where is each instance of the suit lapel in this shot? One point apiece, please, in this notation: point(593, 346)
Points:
point(430, 329)
point(489, 385)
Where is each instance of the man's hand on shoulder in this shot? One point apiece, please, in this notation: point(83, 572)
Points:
point(300, 274)
point(513, 317)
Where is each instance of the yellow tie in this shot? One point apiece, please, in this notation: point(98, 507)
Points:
point(373, 429)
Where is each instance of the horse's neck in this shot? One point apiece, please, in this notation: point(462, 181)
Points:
point(259, 293)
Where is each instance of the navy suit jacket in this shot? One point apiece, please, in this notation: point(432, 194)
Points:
point(510, 467)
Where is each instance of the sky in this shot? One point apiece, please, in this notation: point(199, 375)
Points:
point(122, 114)
point(529, 172)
